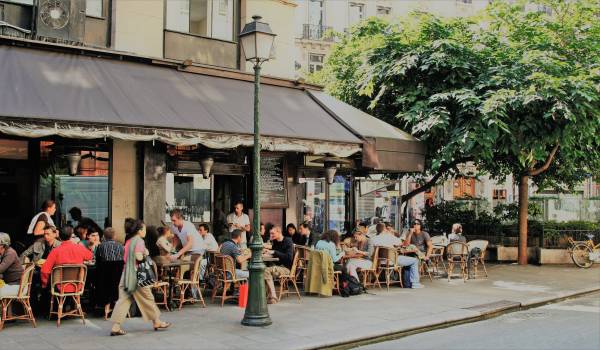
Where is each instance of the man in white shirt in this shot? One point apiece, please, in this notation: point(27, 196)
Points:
point(388, 240)
point(210, 243)
point(239, 221)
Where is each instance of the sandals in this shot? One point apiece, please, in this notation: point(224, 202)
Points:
point(162, 326)
point(117, 333)
point(272, 301)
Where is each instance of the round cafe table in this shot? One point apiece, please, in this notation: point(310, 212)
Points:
point(170, 266)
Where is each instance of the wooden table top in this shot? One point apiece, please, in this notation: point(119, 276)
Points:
point(176, 263)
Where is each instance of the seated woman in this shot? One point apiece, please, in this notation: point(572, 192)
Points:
point(358, 251)
point(456, 235)
point(165, 245)
point(290, 230)
point(327, 243)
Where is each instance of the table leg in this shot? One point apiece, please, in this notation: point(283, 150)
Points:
point(170, 297)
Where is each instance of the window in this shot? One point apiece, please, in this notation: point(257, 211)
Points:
point(315, 62)
point(210, 18)
point(465, 1)
point(499, 194)
point(14, 149)
point(383, 11)
point(464, 188)
point(315, 12)
point(87, 191)
point(357, 12)
point(313, 203)
point(191, 194)
point(377, 201)
point(339, 199)
point(94, 8)
point(24, 2)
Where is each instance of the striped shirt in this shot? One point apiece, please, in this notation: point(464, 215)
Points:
point(110, 250)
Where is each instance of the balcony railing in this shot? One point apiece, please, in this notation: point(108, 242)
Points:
point(316, 32)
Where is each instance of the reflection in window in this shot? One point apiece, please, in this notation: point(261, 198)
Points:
point(94, 8)
point(191, 194)
point(356, 13)
point(210, 18)
point(88, 190)
point(313, 203)
point(377, 201)
point(339, 198)
point(315, 62)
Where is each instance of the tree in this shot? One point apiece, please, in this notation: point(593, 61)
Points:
point(516, 91)
point(420, 75)
point(545, 87)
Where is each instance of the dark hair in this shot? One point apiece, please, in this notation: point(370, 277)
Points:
point(417, 222)
point(48, 203)
point(150, 240)
point(161, 231)
point(326, 236)
point(75, 213)
point(109, 233)
point(66, 233)
point(176, 213)
point(287, 228)
point(205, 226)
point(380, 228)
point(268, 227)
point(132, 227)
point(305, 225)
point(335, 237)
point(237, 202)
point(235, 234)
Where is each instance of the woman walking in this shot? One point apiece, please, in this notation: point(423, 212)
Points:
point(135, 252)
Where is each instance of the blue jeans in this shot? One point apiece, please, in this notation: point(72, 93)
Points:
point(413, 264)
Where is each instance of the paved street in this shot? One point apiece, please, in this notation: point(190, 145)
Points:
point(316, 322)
point(572, 324)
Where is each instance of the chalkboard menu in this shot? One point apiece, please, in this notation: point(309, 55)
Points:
point(273, 181)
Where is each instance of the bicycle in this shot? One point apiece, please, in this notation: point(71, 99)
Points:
point(584, 253)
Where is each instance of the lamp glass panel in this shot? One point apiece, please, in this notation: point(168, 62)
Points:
point(248, 46)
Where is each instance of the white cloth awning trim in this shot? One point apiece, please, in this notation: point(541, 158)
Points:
point(31, 129)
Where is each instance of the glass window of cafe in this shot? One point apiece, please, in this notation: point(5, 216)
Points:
point(88, 190)
point(327, 207)
point(377, 201)
point(191, 193)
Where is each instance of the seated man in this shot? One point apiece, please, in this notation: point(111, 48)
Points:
point(420, 239)
point(283, 249)
point(42, 247)
point(388, 240)
point(210, 243)
point(11, 269)
point(305, 235)
point(231, 247)
point(67, 253)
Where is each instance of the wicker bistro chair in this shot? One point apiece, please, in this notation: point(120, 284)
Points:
point(437, 259)
point(225, 270)
point(387, 263)
point(285, 280)
point(439, 240)
point(22, 297)
point(161, 287)
point(479, 259)
point(194, 282)
point(457, 254)
point(63, 277)
point(303, 256)
point(371, 274)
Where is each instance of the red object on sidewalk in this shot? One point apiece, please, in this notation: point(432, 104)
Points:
point(243, 298)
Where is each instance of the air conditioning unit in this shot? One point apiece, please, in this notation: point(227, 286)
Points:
point(61, 20)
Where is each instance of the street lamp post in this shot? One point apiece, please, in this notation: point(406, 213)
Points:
point(257, 42)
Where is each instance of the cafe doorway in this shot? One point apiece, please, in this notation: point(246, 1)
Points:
point(228, 189)
point(17, 203)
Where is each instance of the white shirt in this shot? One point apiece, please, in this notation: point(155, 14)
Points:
point(383, 240)
point(210, 243)
point(242, 221)
point(188, 229)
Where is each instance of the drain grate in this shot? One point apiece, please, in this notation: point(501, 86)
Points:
point(494, 307)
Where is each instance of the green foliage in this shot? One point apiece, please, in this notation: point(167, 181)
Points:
point(510, 212)
point(503, 91)
point(440, 217)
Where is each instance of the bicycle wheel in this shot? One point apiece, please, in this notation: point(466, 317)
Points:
point(581, 255)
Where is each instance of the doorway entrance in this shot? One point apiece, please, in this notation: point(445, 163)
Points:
point(228, 189)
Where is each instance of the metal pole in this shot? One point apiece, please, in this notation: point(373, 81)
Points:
point(257, 314)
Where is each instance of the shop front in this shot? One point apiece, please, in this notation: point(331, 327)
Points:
point(124, 136)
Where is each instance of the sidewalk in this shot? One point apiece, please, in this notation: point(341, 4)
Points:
point(316, 322)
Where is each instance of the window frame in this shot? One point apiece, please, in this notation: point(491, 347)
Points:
point(102, 11)
point(235, 20)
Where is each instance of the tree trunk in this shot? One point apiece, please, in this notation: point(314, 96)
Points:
point(523, 214)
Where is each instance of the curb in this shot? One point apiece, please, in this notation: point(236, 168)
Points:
point(350, 344)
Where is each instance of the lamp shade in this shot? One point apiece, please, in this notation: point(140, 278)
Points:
point(257, 41)
point(73, 160)
point(206, 165)
point(330, 170)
